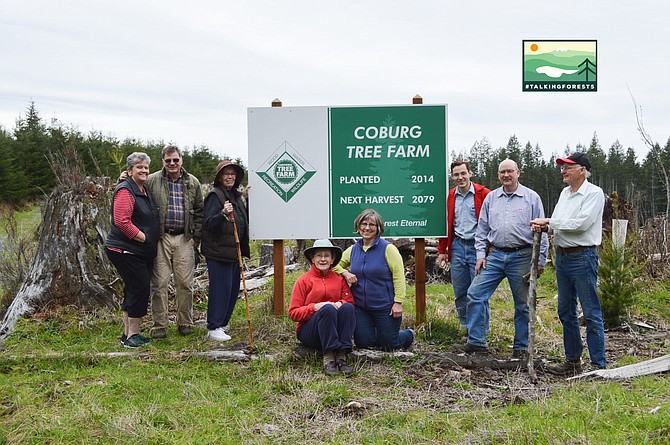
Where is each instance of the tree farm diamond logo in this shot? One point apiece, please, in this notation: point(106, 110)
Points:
point(285, 171)
point(560, 65)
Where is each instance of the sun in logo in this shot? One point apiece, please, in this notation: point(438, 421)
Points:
point(533, 47)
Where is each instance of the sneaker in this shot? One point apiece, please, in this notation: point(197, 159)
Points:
point(185, 330)
point(520, 354)
point(134, 341)
point(218, 334)
point(143, 338)
point(566, 367)
point(344, 368)
point(469, 348)
point(158, 333)
point(331, 369)
point(226, 328)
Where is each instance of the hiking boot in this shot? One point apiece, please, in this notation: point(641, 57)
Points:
point(134, 341)
point(158, 333)
point(218, 334)
point(469, 348)
point(344, 368)
point(566, 367)
point(331, 369)
point(185, 330)
point(520, 354)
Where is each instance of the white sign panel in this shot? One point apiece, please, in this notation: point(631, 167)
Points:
point(288, 170)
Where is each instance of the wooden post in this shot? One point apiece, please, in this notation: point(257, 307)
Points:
point(279, 266)
point(532, 299)
point(420, 263)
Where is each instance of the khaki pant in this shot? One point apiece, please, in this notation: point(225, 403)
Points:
point(175, 257)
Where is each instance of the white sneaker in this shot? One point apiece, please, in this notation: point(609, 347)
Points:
point(218, 334)
point(226, 328)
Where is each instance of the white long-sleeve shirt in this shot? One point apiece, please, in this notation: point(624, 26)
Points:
point(578, 217)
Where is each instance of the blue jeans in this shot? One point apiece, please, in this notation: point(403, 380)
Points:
point(577, 275)
point(329, 329)
point(499, 265)
point(463, 261)
point(378, 329)
point(224, 291)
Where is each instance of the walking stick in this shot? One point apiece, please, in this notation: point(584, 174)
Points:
point(532, 298)
point(244, 281)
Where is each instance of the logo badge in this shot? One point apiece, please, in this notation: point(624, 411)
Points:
point(285, 171)
point(560, 65)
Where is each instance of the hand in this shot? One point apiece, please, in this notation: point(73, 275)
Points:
point(228, 208)
point(396, 310)
point(539, 224)
point(481, 263)
point(442, 260)
point(351, 278)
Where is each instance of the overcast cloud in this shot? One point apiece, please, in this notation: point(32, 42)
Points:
point(185, 72)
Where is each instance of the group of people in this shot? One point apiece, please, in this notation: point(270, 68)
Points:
point(356, 293)
point(158, 222)
point(490, 236)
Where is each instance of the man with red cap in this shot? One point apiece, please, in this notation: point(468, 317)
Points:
point(576, 224)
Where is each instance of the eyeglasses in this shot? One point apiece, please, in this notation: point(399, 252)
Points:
point(569, 167)
point(172, 161)
point(366, 224)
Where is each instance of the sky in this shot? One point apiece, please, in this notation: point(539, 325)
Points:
point(186, 72)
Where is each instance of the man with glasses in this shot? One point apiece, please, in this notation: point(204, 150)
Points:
point(503, 230)
point(577, 228)
point(464, 203)
point(178, 196)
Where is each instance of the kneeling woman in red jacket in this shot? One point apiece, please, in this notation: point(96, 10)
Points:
point(323, 308)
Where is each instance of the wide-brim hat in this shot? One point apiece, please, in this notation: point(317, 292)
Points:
point(576, 158)
point(324, 244)
point(239, 170)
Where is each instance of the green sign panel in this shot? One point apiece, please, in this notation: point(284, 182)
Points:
point(393, 160)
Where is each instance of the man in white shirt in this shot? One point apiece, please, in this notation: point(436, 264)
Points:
point(577, 227)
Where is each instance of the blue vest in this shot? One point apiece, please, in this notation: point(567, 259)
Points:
point(374, 290)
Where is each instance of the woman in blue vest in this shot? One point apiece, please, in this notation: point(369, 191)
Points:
point(131, 245)
point(374, 269)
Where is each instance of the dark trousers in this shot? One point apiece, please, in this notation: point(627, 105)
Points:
point(329, 328)
point(224, 291)
point(136, 273)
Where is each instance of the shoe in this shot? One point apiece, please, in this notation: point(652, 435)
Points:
point(135, 341)
point(520, 354)
point(185, 330)
point(344, 368)
point(331, 369)
point(158, 333)
point(143, 338)
point(226, 328)
point(565, 367)
point(124, 337)
point(218, 334)
point(469, 348)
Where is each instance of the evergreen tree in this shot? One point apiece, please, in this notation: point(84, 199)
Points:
point(32, 141)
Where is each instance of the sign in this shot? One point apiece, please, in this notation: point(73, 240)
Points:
point(393, 160)
point(560, 65)
point(314, 169)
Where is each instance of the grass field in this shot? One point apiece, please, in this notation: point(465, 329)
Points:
point(61, 383)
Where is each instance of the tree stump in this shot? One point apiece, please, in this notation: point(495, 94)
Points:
point(70, 266)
